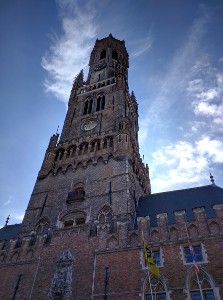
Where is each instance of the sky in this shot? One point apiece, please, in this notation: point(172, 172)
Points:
point(176, 72)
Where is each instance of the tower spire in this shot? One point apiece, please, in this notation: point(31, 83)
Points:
point(212, 179)
point(7, 220)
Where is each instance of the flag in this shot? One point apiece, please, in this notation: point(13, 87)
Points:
point(149, 258)
point(196, 269)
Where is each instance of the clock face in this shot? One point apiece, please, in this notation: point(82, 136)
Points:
point(100, 66)
point(89, 124)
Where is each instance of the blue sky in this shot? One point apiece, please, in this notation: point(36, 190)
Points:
point(176, 72)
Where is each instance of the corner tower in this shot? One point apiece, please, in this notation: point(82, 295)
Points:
point(94, 172)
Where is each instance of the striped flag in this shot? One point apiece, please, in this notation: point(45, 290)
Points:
point(196, 269)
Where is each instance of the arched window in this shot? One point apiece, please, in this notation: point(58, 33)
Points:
point(108, 142)
point(88, 105)
point(71, 151)
point(59, 154)
point(100, 103)
point(105, 215)
point(74, 218)
point(95, 145)
point(206, 286)
point(103, 54)
point(76, 193)
point(114, 55)
point(159, 289)
point(42, 225)
point(83, 148)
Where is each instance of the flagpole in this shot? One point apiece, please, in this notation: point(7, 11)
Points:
point(198, 281)
point(150, 284)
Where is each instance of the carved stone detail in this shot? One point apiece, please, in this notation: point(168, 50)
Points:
point(61, 287)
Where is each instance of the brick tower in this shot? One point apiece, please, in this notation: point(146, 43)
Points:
point(95, 167)
point(81, 237)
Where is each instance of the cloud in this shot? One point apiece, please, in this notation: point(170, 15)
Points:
point(140, 46)
point(171, 88)
point(9, 200)
point(185, 162)
point(69, 51)
point(18, 217)
point(207, 94)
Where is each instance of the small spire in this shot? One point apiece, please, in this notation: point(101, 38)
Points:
point(212, 179)
point(7, 220)
point(57, 129)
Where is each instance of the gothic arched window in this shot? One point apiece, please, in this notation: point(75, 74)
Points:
point(76, 193)
point(114, 55)
point(206, 285)
point(100, 103)
point(42, 225)
point(103, 54)
point(105, 215)
point(74, 218)
point(95, 145)
point(88, 105)
point(108, 142)
point(159, 289)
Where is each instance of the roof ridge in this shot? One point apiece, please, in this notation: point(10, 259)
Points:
point(193, 188)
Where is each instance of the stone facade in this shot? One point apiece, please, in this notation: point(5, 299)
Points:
point(80, 237)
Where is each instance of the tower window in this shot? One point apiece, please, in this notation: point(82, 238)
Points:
point(85, 107)
point(100, 103)
point(68, 223)
point(80, 221)
point(103, 54)
point(88, 105)
point(114, 55)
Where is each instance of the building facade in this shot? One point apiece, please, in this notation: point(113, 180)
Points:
point(81, 233)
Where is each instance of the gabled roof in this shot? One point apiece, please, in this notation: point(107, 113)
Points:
point(186, 199)
point(9, 232)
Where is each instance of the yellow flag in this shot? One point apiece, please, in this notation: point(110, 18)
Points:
point(149, 258)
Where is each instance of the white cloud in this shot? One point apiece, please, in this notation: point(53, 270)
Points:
point(8, 201)
point(70, 51)
point(171, 88)
point(141, 46)
point(185, 162)
point(18, 217)
point(212, 149)
point(207, 95)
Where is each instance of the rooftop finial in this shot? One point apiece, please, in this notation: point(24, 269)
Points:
point(212, 179)
point(7, 220)
point(57, 129)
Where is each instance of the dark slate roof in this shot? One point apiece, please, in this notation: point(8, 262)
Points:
point(186, 199)
point(9, 232)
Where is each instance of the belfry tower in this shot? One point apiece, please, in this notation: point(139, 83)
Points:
point(81, 237)
point(94, 171)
